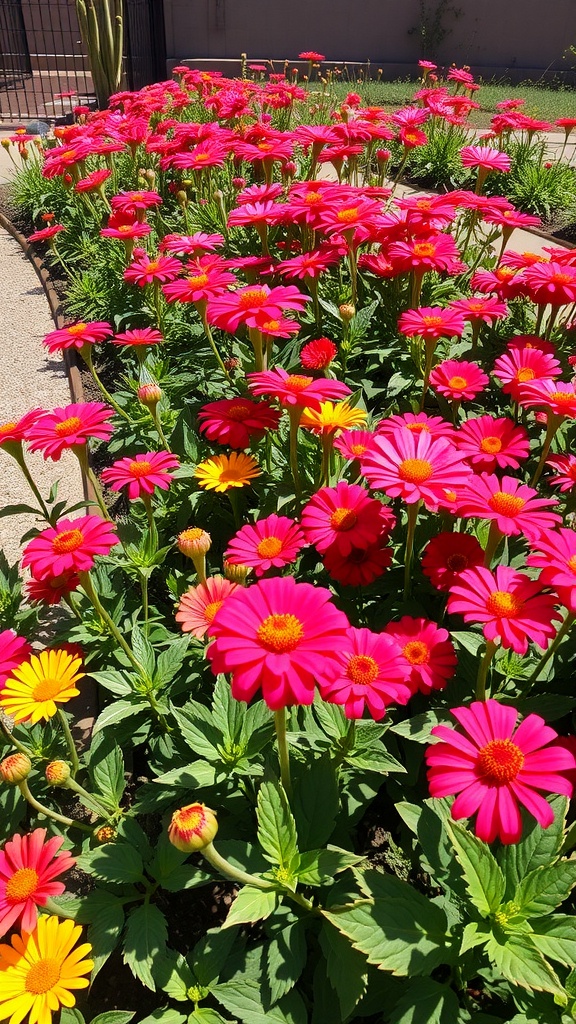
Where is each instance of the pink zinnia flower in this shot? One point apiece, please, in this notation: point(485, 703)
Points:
point(480, 308)
point(14, 432)
point(510, 604)
point(192, 245)
point(494, 769)
point(28, 866)
point(281, 636)
point(344, 517)
point(141, 474)
point(522, 365)
point(14, 650)
point(505, 282)
point(553, 283)
point(422, 254)
point(372, 675)
point(138, 336)
point(69, 427)
point(124, 227)
point(78, 335)
point(431, 322)
point(554, 396)
point(414, 467)
point(309, 264)
point(70, 546)
point(295, 389)
point(268, 543)
point(448, 555)
point(416, 423)
point(458, 380)
point(205, 278)
point(132, 202)
point(234, 421)
point(199, 605)
point(144, 270)
point(242, 306)
point(489, 443)
point(565, 471)
point(427, 652)
point(555, 555)
point(512, 505)
point(44, 234)
point(93, 181)
point(485, 157)
point(353, 444)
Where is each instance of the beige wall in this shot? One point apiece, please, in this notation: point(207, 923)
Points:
point(490, 35)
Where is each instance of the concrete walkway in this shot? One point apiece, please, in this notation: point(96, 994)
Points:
point(29, 379)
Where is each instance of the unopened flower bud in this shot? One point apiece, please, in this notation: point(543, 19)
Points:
point(231, 363)
point(57, 773)
point(15, 768)
point(149, 395)
point(24, 153)
point(192, 828)
point(182, 198)
point(236, 573)
point(383, 155)
point(194, 541)
point(5, 143)
point(347, 311)
point(105, 834)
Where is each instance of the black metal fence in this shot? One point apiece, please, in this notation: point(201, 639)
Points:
point(44, 69)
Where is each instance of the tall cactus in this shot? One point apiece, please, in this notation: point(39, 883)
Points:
point(101, 28)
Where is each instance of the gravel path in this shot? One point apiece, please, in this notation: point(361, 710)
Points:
point(29, 379)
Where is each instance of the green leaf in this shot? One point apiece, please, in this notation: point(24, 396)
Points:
point(476, 933)
point(173, 975)
point(346, 968)
point(243, 998)
point(170, 661)
point(277, 828)
point(555, 937)
point(198, 731)
point(107, 768)
point(251, 904)
point(143, 651)
point(538, 847)
point(520, 963)
point(193, 776)
point(374, 760)
point(319, 866)
point(316, 804)
point(164, 1015)
point(286, 958)
point(204, 1015)
point(145, 941)
point(170, 869)
point(545, 888)
point(70, 1015)
point(114, 1017)
point(106, 914)
point(419, 728)
point(114, 862)
point(427, 1002)
point(117, 711)
point(484, 879)
point(211, 953)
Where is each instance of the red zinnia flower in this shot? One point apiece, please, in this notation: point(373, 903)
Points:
point(199, 605)
point(78, 335)
point(318, 354)
point(344, 517)
point(372, 675)
point(281, 636)
point(28, 866)
point(512, 505)
point(69, 427)
point(414, 467)
point(268, 543)
point(488, 443)
point(141, 474)
point(427, 652)
point(448, 555)
point(45, 233)
point(295, 389)
point(52, 589)
point(494, 769)
point(360, 567)
point(458, 380)
point(233, 421)
point(70, 546)
point(14, 650)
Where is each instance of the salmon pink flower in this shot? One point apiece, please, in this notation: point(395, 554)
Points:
point(555, 554)
point(494, 768)
point(565, 471)
point(318, 354)
point(14, 650)
point(29, 865)
point(448, 555)
point(78, 335)
point(361, 566)
point(431, 322)
point(458, 380)
point(514, 507)
point(70, 546)
point(427, 653)
point(512, 606)
point(230, 310)
point(93, 182)
point(296, 389)
point(372, 675)
point(141, 474)
point(269, 543)
point(199, 605)
point(234, 421)
point(488, 443)
point(281, 636)
point(70, 426)
point(414, 467)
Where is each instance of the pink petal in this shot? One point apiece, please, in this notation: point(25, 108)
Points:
point(509, 814)
point(534, 803)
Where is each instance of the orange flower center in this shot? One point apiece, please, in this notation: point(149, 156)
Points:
point(189, 819)
point(46, 689)
point(475, 307)
point(525, 374)
point(491, 445)
point(348, 216)
point(297, 382)
point(139, 469)
point(211, 609)
point(67, 427)
point(151, 267)
point(77, 329)
point(270, 325)
point(424, 204)
point(265, 147)
point(238, 412)
point(269, 547)
point(201, 157)
point(504, 273)
point(424, 249)
point(559, 278)
point(563, 397)
point(417, 428)
point(358, 449)
point(313, 197)
point(194, 533)
point(432, 321)
point(253, 297)
point(362, 669)
point(572, 564)
point(343, 519)
point(503, 604)
point(415, 471)
point(506, 504)
point(125, 228)
point(43, 976)
point(7, 428)
point(23, 884)
point(457, 562)
point(457, 382)
point(500, 761)
point(69, 540)
point(280, 633)
point(198, 281)
point(417, 652)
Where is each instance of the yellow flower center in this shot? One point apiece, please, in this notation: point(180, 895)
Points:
point(198, 281)
point(265, 147)
point(46, 689)
point(491, 445)
point(67, 427)
point(194, 533)
point(7, 428)
point(201, 157)
point(504, 604)
point(457, 383)
point(506, 504)
point(432, 321)
point(253, 297)
point(343, 519)
point(23, 884)
point(424, 249)
point(415, 471)
point(362, 669)
point(572, 564)
point(358, 449)
point(280, 633)
point(525, 374)
point(43, 976)
point(67, 541)
point(348, 216)
point(269, 547)
point(424, 204)
point(500, 761)
point(77, 329)
point(563, 397)
point(313, 197)
point(211, 609)
point(417, 652)
point(139, 469)
point(297, 382)
point(504, 273)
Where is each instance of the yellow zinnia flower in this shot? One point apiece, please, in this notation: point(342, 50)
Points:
point(31, 692)
point(221, 472)
point(331, 417)
point(38, 971)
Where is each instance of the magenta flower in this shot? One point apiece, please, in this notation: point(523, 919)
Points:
point(427, 653)
point(138, 336)
point(141, 474)
point(372, 675)
point(268, 543)
point(231, 309)
point(489, 443)
point(414, 467)
point(14, 650)
point(485, 157)
point(78, 335)
point(70, 546)
point(345, 517)
point(555, 555)
point(493, 768)
point(447, 555)
point(565, 471)
point(431, 322)
point(458, 380)
point(512, 505)
point(70, 426)
point(143, 270)
point(295, 389)
point(553, 283)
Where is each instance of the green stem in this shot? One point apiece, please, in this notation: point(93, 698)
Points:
point(494, 538)
point(483, 670)
point(98, 493)
point(161, 433)
point(87, 357)
point(412, 519)
point(19, 458)
point(105, 810)
point(213, 346)
point(69, 741)
point(13, 741)
point(144, 588)
point(294, 414)
point(224, 867)
point(23, 787)
point(283, 752)
point(552, 425)
point(88, 586)
point(562, 632)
